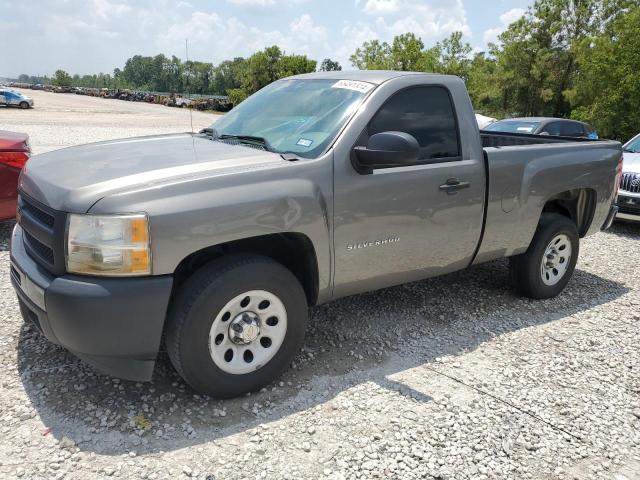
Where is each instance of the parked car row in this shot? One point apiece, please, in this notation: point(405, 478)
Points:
point(215, 103)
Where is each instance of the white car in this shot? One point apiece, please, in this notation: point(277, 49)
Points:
point(629, 192)
point(11, 98)
point(483, 120)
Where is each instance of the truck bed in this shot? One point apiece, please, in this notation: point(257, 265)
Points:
point(526, 171)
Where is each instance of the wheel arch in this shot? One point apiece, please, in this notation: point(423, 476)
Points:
point(578, 204)
point(292, 249)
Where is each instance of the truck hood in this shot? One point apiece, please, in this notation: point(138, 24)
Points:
point(73, 179)
point(631, 162)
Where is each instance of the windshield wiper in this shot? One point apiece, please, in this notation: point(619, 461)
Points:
point(249, 139)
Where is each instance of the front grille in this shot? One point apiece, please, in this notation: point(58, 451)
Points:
point(43, 233)
point(630, 182)
point(629, 209)
point(40, 248)
point(41, 215)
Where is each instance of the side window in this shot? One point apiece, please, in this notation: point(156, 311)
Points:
point(427, 114)
point(572, 129)
point(552, 129)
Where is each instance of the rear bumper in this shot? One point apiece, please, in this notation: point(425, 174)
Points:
point(115, 324)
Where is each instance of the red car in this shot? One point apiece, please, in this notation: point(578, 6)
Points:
point(14, 153)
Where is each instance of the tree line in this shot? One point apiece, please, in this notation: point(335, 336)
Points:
point(562, 58)
point(237, 78)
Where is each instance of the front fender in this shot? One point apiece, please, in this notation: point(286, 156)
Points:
point(190, 216)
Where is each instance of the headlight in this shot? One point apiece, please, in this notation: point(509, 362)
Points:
point(115, 245)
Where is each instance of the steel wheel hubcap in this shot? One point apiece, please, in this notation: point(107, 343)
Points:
point(247, 332)
point(245, 328)
point(556, 259)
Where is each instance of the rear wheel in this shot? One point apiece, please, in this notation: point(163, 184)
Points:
point(236, 324)
point(544, 270)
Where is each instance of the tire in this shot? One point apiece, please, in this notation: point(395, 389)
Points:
point(24, 105)
point(529, 276)
point(207, 307)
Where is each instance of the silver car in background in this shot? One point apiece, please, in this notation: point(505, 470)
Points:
point(629, 191)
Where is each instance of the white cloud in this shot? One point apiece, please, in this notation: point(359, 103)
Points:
point(89, 36)
point(264, 3)
point(213, 38)
point(491, 35)
point(430, 20)
point(381, 7)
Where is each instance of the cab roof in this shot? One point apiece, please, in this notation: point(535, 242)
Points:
point(372, 76)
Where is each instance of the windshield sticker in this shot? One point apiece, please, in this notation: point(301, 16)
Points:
point(525, 129)
point(304, 142)
point(362, 87)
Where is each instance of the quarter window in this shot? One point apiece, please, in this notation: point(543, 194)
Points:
point(427, 114)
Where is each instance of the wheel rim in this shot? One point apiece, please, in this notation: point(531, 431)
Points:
point(247, 332)
point(556, 259)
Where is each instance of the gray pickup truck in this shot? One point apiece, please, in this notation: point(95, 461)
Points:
point(317, 187)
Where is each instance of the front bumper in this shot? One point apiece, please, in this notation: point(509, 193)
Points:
point(628, 207)
point(114, 324)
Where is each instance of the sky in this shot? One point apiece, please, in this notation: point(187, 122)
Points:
point(90, 36)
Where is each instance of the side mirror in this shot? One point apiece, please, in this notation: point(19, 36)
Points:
point(387, 150)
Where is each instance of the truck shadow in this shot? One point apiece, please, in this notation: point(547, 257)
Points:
point(351, 341)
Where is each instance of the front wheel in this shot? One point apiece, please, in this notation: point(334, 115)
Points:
point(24, 105)
point(544, 270)
point(236, 324)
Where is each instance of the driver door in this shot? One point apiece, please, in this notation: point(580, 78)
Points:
point(400, 224)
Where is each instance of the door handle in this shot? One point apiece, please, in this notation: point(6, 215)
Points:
point(453, 185)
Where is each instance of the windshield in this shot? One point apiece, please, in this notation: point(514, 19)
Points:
point(295, 116)
point(633, 146)
point(513, 126)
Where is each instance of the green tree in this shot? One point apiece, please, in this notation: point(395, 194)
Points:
point(373, 55)
point(329, 65)
point(407, 52)
point(454, 56)
point(228, 75)
point(62, 79)
point(607, 94)
point(482, 84)
point(295, 65)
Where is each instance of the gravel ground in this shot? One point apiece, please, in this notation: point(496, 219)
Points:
point(448, 378)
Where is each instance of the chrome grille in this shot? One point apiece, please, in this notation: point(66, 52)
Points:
point(630, 182)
